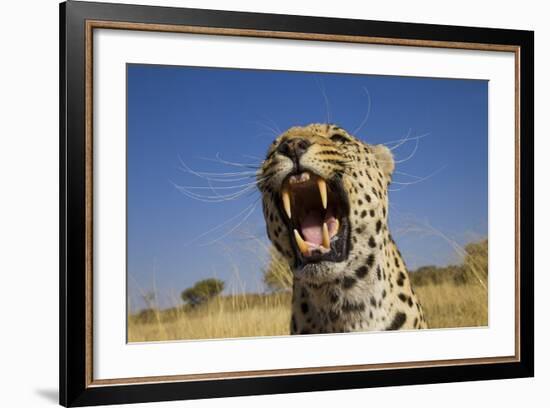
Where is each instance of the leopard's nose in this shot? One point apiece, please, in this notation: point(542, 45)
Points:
point(294, 148)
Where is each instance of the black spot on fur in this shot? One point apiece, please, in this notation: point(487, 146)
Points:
point(363, 213)
point(384, 294)
point(401, 278)
point(378, 273)
point(367, 197)
point(398, 321)
point(334, 297)
point(410, 302)
point(370, 260)
point(305, 307)
point(372, 213)
point(372, 242)
point(378, 226)
point(349, 282)
point(373, 301)
point(361, 272)
point(403, 297)
point(353, 307)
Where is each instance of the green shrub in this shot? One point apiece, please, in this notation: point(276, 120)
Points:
point(202, 291)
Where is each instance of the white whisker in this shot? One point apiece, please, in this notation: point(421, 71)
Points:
point(218, 177)
point(220, 225)
point(410, 156)
point(204, 174)
point(218, 159)
point(230, 180)
point(321, 86)
point(364, 121)
point(267, 127)
point(406, 174)
point(221, 187)
point(274, 124)
point(216, 198)
point(264, 135)
point(410, 139)
point(235, 227)
point(419, 180)
point(401, 141)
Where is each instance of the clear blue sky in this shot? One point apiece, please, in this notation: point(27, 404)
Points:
point(193, 114)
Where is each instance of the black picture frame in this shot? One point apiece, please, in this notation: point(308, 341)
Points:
point(75, 387)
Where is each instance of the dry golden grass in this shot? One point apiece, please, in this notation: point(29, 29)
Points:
point(446, 305)
point(449, 305)
point(223, 317)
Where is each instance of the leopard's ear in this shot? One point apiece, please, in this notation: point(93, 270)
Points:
point(384, 157)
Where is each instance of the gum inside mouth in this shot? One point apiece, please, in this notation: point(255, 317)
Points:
point(314, 213)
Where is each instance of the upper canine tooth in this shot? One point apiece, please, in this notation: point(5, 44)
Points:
point(286, 202)
point(323, 190)
point(304, 248)
point(326, 236)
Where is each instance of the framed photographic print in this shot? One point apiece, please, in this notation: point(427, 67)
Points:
point(255, 203)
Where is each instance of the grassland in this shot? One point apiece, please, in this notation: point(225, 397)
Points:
point(454, 296)
point(446, 305)
point(246, 315)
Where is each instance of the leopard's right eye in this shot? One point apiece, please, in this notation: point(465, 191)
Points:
point(338, 138)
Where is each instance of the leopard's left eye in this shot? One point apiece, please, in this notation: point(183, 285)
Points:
point(338, 138)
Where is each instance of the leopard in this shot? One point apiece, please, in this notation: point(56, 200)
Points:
point(324, 195)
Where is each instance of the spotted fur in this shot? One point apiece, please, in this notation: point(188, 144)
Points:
point(371, 289)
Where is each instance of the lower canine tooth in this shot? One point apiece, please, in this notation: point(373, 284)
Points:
point(286, 203)
point(304, 249)
point(326, 236)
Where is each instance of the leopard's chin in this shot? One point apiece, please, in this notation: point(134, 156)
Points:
point(316, 214)
point(317, 273)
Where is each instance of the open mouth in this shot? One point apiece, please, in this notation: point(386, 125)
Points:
point(316, 212)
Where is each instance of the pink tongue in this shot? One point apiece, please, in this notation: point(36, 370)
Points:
point(312, 228)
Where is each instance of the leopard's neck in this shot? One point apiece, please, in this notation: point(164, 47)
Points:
point(373, 292)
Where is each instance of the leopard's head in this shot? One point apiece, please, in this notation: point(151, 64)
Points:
point(324, 198)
